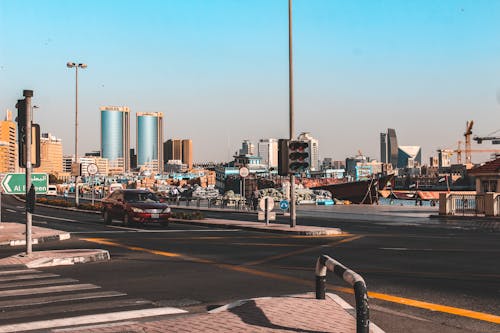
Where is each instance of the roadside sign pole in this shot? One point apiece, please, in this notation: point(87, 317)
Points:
point(28, 94)
point(266, 211)
point(293, 220)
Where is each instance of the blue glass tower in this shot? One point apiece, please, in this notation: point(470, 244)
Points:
point(150, 140)
point(115, 137)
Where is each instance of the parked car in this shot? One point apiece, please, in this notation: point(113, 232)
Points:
point(135, 206)
point(51, 190)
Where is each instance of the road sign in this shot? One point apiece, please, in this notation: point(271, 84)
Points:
point(284, 204)
point(92, 169)
point(244, 172)
point(270, 204)
point(15, 183)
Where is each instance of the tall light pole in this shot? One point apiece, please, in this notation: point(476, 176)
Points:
point(293, 219)
point(76, 66)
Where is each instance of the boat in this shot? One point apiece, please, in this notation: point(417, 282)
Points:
point(361, 191)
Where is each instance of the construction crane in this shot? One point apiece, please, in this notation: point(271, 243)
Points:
point(494, 139)
point(468, 148)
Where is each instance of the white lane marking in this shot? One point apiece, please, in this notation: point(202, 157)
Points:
point(58, 298)
point(17, 271)
point(54, 218)
point(394, 248)
point(11, 210)
point(125, 228)
point(46, 290)
point(89, 319)
point(151, 231)
point(20, 207)
point(28, 283)
point(27, 277)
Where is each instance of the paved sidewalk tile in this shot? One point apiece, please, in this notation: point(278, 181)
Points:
point(299, 313)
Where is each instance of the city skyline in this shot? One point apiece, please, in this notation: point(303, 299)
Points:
point(218, 70)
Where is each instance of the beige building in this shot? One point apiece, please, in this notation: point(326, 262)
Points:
point(187, 153)
point(179, 150)
point(51, 155)
point(8, 145)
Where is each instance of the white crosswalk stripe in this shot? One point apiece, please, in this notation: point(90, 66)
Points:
point(32, 296)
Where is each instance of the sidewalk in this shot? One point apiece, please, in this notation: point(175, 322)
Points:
point(261, 226)
point(294, 313)
point(13, 234)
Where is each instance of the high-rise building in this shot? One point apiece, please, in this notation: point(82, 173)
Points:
point(173, 150)
point(314, 146)
point(392, 147)
point(149, 140)
point(179, 150)
point(409, 156)
point(115, 137)
point(383, 147)
point(268, 151)
point(247, 148)
point(8, 146)
point(187, 153)
point(51, 155)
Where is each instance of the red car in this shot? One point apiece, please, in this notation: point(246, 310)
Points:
point(135, 206)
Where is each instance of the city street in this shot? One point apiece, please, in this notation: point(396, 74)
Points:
point(423, 275)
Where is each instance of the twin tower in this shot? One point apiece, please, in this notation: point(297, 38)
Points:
point(115, 139)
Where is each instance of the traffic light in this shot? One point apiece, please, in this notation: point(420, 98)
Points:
point(299, 156)
point(21, 119)
point(283, 157)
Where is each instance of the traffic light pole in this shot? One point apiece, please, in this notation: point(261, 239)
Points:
point(293, 219)
point(28, 94)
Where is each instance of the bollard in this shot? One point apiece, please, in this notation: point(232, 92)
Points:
point(355, 280)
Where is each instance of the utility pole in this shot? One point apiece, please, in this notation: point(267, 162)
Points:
point(28, 94)
point(293, 218)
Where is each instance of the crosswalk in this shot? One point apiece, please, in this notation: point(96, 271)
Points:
point(30, 295)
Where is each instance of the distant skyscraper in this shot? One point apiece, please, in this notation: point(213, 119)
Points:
point(149, 140)
point(247, 148)
point(115, 137)
point(268, 151)
point(179, 150)
point(187, 153)
point(392, 147)
point(8, 146)
point(383, 147)
point(173, 150)
point(51, 154)
point(314, 145)
point(408, 155)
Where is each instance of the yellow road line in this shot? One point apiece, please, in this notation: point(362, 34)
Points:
point(284, 255)
point(374, 295)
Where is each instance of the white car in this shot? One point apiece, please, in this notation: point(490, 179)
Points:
point(52, 190)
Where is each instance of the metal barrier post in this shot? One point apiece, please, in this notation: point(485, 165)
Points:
point(355, 280)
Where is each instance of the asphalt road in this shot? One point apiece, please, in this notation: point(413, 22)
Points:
point(424, 275)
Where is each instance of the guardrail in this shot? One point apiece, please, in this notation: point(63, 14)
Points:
point(323, 263)
point(466, 204)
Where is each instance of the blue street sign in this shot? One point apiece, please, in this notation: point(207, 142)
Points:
point(284, 204)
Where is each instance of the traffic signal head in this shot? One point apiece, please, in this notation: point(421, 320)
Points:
point(21, 114)
point(299, 156)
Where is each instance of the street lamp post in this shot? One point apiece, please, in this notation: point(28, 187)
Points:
point(76, 66)
point(293, 218)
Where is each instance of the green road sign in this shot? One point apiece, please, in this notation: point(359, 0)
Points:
point(15, 183)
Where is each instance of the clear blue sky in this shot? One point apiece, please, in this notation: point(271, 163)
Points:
point(218, 69)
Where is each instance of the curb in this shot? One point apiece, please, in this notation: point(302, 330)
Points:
point(101, 255)
point(43, 239)
point(334, 231)
point(55, 258)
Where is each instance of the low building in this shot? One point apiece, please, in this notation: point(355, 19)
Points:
point(487, 176)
